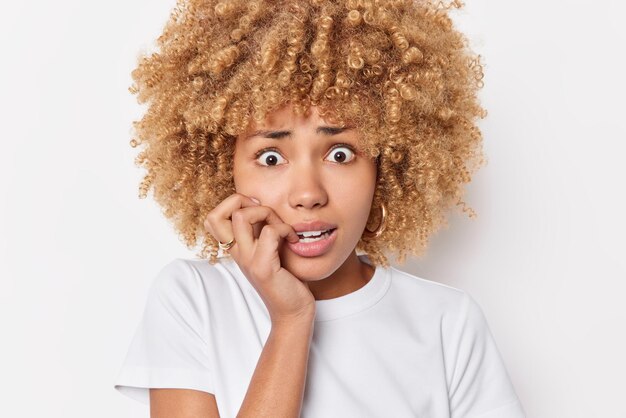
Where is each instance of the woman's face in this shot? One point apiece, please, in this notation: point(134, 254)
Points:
point(307, 170)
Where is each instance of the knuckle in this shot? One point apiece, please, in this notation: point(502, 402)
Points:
point(276, 231)
point(269, 230)
point(213, 216)
point(237, 216)
point(240, 197)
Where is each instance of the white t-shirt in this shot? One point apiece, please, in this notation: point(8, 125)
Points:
point(400, 346)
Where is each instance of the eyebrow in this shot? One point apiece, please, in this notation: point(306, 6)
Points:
point(326, 130)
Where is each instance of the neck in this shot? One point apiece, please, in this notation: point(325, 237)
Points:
point(352, 275)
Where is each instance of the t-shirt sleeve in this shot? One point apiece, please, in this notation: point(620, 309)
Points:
point(478, 382)
point(169, 348)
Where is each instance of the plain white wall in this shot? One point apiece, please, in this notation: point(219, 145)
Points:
point(544, 257)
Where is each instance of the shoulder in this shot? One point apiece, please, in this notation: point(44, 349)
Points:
point(434, 296)
point(183, 283)
point(186, 273)
point(452, 308)
point(186, 292)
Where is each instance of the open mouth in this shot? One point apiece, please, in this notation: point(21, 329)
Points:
point(314, 244)
point(316, 237)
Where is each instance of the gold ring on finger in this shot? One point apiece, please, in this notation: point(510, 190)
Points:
point(226, 246)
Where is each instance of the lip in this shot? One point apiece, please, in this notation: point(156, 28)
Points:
point(313, 249)
point(313, 226)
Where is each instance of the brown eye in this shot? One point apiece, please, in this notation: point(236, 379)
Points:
point(340, 155)
point(268, 158)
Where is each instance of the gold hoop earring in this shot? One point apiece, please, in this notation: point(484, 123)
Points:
point(381, 227)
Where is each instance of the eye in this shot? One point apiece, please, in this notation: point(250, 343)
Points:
point(340, 155)
point(270, 158)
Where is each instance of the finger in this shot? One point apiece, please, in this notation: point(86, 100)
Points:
point(242, 227)
point(219, 220)
point(271, 238)
point(245, 218)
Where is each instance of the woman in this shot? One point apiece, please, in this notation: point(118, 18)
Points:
point(289, 135)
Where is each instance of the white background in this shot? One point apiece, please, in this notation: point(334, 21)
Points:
point(544, 258)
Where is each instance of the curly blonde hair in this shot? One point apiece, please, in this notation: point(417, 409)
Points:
point(396, 69)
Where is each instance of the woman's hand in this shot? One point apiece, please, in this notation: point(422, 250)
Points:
point(286, 297)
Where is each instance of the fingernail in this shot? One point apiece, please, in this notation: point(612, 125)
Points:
point(255, 200)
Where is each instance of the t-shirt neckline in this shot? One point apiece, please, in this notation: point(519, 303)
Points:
point(352, 303)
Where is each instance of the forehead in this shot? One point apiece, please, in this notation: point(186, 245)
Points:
point(283, 122)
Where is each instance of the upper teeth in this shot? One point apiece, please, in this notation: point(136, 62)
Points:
point(311, 233)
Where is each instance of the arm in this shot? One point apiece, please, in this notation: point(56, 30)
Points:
point(276, 388)
point(182, 403)
point(277, 385)
point(479, 385)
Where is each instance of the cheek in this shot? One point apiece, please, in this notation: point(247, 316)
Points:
point(245, 179)
point(238, 174)
point(354, 194)
point(267, 189)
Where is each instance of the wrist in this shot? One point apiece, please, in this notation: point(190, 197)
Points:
point(300, 321)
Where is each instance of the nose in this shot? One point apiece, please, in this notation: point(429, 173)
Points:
point(307, 188)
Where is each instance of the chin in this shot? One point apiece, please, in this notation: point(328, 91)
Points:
point(309, 269)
